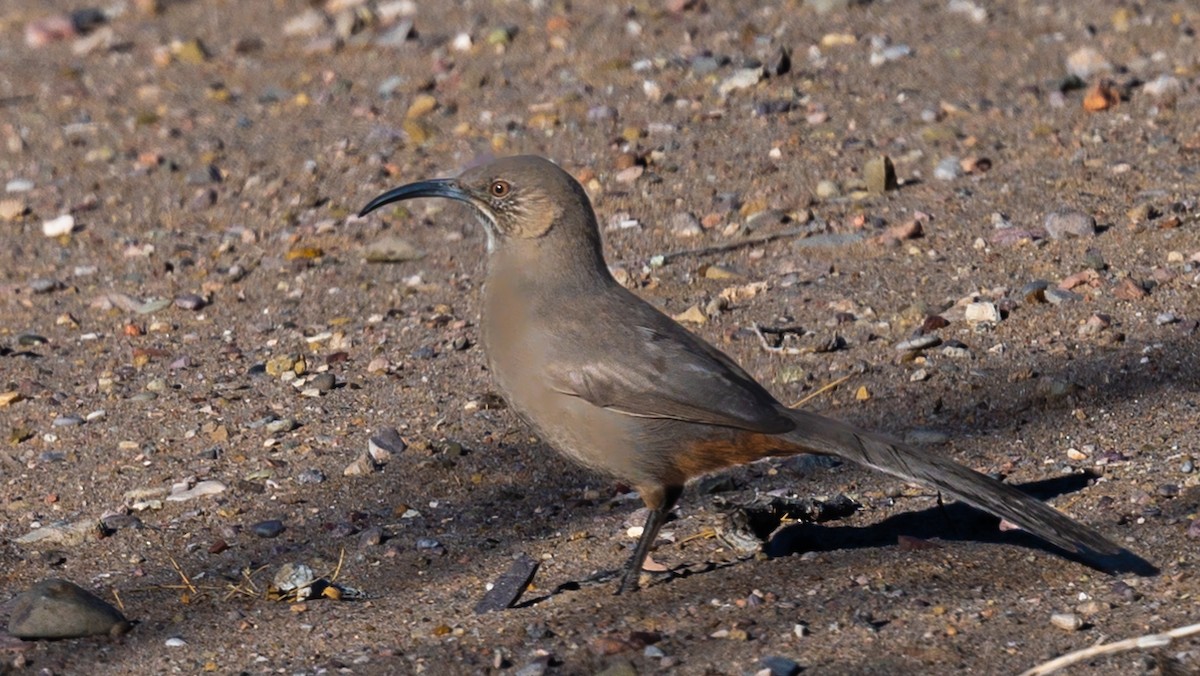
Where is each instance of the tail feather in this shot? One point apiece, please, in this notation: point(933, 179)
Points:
point(824, 435)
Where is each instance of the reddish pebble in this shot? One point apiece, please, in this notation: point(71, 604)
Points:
point(47, 30)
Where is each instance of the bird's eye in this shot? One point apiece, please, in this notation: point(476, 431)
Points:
point(500, 188)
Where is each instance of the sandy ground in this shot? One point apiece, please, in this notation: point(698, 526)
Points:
point(212, 154)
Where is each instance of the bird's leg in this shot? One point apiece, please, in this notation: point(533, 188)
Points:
point(660, 500)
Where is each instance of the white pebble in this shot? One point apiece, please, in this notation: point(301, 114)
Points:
point(55, 227)
point(948, 169)
point(981, 312)
point(1066, 621)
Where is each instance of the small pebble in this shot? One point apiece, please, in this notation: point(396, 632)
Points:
point(827, 189)
point(44, 285)
point(385, 444)
point(1164, 87)
point(509, 586)
point(981, 312)
point(182, 493)
point(880, 175)
point(190, 301)
point(1066, 223)
point(361, 466)
point(323, 382)
point(948, 169)
point(175, 642)
point(310, 476)
point(370, 537)
point(121, 521)
point(56, 227)
point(67, 421)
point(781, 666)
point(281, 425)
point(431, 545)
point(1067, 621)
point(268, 529)
point(1085, 62)
point(742, 79)
point(12, 209)
point(919, 343)
point(1057, 296)
point(306, 24)
point(888, 54)
point(1193, 530)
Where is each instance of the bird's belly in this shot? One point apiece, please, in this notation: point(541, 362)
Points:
point(594, 437)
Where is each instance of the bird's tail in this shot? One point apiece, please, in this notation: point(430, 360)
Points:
point(824, 435)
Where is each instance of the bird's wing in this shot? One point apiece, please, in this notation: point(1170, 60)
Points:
point(657, 369)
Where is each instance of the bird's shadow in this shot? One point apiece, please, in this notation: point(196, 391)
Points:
point(948, 522)
point(957, 521)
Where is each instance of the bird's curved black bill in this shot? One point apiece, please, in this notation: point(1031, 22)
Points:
point(438, 187)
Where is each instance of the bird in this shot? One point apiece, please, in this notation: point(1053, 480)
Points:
point(608, 380)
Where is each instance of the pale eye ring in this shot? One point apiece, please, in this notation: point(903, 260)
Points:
point(500, 188)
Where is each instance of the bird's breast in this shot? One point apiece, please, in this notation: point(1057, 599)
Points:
point(521, 346)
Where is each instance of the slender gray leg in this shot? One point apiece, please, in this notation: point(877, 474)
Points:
point(666, 499)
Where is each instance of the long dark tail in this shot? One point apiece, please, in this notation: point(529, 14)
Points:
point(824, 435)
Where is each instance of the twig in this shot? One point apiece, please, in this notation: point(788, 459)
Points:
point(663, 259)
point(762, 339)
point(1140, 642)
point(336, 571)
point(247, 586)
point(821, 390)
point(117, 597)
point(705, 534)
point(183, 576)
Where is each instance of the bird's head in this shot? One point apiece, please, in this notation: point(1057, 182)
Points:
point(517, 199)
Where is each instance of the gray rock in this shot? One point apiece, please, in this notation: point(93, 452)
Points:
point(919, 343)
point(385, 444)
point(268, 529)
point(323, 382)
point(310, 476)
point(190, 301)
point(44, 285)
point(509, 586)
point(948, 169)
point(54, 609)
point(1066, 223)
point(1057, 296)
point(781, 666)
